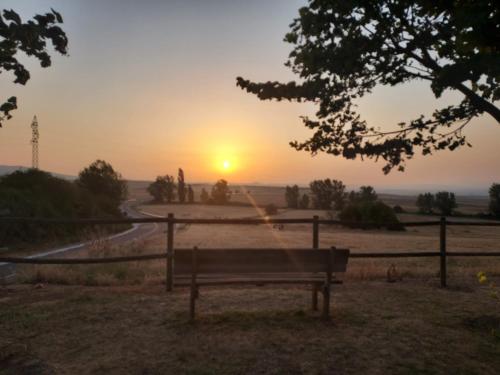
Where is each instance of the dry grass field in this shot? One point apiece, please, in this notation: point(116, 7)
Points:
point(117, 318)
point(412, 327)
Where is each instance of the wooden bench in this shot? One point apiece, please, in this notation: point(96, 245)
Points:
point(195, 268)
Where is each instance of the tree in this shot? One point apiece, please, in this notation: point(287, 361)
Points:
point(326, 192)
point(343, 50)
point(181, 186)
point(190, 194)
point(158, 189)
point(425, 203)
point(34, 193)
point(445, 202)
point(31, 39)
point(204, 197)
point(169, 188)
point(304, 202)
point(220, 192)
point(494, 205)
point(365, 194)
point(107, 185)
point(292, 196)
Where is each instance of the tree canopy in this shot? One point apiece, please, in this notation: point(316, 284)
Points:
point(107, 185)
point(494, 206)
point(30, 38)
point(220, 192)
point(344, 49)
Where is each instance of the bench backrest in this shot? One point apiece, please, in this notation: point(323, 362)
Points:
point(222, 261)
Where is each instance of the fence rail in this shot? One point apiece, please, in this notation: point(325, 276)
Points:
point(256, 221)
point(171, 220)
point(154, 256)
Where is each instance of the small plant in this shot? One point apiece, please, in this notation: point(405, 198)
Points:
point(483, 279)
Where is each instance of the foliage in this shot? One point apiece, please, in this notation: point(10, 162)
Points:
point(365, 210)
point(106, 185)
point(292, 196)
point(169, 188)
point(30, 38)
point(494, 205)
point(158, 189)
point(326, 192)
point(365, 194)
point(204, 197)
point(271, 209)
point(220, 192)
point(190, 194)
point(367, 214)
point(425, 203)
point(445, 202)
point(181, 186)
point(304, 202)
point(34, 193)
point(343, 50)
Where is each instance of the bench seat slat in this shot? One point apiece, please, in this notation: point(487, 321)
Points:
point(252, 281)
point(243, 261)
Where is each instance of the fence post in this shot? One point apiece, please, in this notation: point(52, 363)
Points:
point(315, 287)
point(315, 232)
point(170, 252)
point(442, 251)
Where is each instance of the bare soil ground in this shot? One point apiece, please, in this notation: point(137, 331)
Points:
point(411, 327)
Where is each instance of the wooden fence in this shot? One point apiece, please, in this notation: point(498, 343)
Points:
point(171, 220)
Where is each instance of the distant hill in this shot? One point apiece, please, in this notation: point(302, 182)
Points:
point(6, 169)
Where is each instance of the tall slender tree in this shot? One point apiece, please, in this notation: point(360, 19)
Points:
point(181, 186)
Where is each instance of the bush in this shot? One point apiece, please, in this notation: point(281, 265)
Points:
point(271, 209)
point(369, 214)
point(35, 193)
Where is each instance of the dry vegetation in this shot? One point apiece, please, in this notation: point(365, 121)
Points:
point(411, 327)
point(65, 321)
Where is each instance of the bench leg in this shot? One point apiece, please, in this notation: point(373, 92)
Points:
point(326, 301)
point(192, 301)
point(315, 288)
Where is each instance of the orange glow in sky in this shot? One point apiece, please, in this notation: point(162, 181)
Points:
point(151, 88)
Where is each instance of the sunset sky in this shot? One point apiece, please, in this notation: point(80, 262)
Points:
point(150, 86)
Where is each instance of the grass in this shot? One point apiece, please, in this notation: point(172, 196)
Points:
point(411, 327)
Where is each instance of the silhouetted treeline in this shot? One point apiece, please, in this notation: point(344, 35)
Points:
point(164, 189)
point(97, 192)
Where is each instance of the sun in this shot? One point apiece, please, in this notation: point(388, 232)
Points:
point(226, 165)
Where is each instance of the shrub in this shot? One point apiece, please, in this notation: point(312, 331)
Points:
point(34, 193)
point(369, 214)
